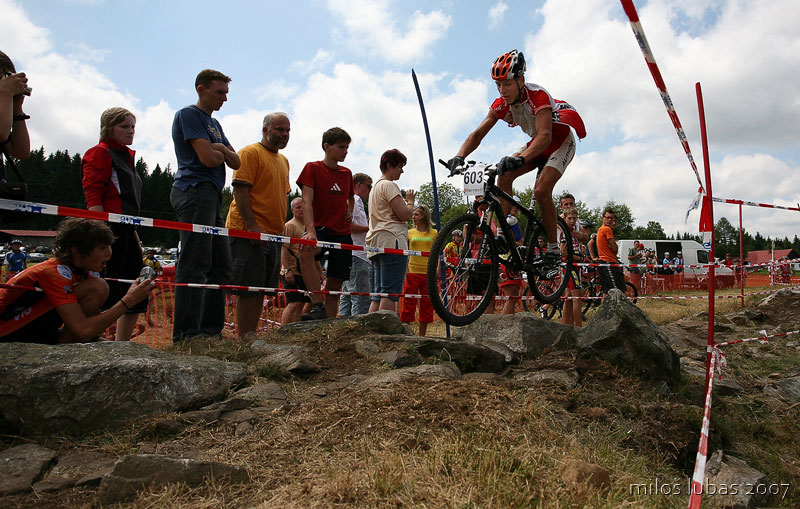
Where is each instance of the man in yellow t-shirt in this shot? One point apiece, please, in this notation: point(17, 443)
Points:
point(260, 187)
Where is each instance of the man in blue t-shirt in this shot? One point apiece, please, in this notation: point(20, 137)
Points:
point(203, 151)
point(16, 259)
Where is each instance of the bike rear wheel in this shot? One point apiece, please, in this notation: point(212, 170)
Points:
point(548, 287)
point(529, 303)
point(589, 301)
point(462, 282)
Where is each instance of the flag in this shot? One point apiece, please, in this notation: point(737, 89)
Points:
point(695, 203)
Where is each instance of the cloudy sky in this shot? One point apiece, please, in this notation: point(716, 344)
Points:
point(348, 63)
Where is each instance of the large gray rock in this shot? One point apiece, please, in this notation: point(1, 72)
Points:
point(79, 388)
point(411, 350)
point(398, 359)
point(564, 378)
point(723, 472)
point(381, 322)
point(23, 465)
point(289, 361)
point(787, 389)
point(469, 357)
point(523, 333)
point(622, 334)
point(432, 372)
point(135, 472)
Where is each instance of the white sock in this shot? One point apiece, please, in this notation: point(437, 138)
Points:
point(552, 247)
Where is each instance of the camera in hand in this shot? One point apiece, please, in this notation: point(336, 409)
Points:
point(147, 272)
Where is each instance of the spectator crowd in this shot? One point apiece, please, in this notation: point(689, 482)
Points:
point(81, 295)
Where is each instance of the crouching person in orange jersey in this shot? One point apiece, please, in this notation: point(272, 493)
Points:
point(67, 310)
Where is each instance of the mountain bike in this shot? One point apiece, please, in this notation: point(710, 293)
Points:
point(462, 283)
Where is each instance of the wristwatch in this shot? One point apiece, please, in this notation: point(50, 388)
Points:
point(284, 271)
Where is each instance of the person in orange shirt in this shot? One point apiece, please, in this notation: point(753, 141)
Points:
point(610, 276)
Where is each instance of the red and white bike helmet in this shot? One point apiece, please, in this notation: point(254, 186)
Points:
point(508, 65)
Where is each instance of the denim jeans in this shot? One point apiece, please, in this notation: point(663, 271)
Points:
point(204, 258)
point(388, 273)
point(350, 305)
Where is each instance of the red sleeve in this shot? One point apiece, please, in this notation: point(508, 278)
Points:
point(96, 167)
point(499, 107)
point(539, 99)
point(306, 177)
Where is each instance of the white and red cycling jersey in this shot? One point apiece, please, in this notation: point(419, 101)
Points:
point(523, 114)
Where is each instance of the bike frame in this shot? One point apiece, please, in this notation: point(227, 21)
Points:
point(491, 197)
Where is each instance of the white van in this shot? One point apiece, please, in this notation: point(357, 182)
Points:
point(693, 254)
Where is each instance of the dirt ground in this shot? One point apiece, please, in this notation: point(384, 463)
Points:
point(482, 441)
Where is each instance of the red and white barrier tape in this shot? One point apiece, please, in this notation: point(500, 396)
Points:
point(58, 210)
point(698, 478)
point(755, 204)
point(718, 362)
point(761, 339)
point(641, 39)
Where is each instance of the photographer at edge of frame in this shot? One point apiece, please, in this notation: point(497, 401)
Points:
point(14, 139)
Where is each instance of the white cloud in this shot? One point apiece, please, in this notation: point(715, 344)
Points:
point(371, 27)
point(496, 14)
point(83, 52)
point(591, 59)
point(277, 92)
point(380, 116)
point(320, 59)
point(21, 38)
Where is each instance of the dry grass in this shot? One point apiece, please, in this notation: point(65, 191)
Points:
point(464, 443)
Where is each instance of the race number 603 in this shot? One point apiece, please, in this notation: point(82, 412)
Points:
point(473, 182)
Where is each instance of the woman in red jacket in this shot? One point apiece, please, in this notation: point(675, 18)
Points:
point(111, 184)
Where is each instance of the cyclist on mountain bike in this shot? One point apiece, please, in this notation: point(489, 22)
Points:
point(551, 148)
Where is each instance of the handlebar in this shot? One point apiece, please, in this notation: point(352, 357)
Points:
point(491, 168)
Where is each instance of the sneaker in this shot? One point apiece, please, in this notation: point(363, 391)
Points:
point(317, 313)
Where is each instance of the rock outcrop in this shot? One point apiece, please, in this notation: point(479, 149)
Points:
point(81, 388)
point(622, 334)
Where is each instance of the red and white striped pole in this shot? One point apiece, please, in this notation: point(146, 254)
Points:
point(740, 268)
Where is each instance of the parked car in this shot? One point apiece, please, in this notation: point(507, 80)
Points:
point(37, 257)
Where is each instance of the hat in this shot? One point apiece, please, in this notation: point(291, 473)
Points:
point(666, 253)
point(679, 252)
point(16, 241)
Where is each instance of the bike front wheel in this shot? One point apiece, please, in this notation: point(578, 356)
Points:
point(462, 277)
point(548, 284)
